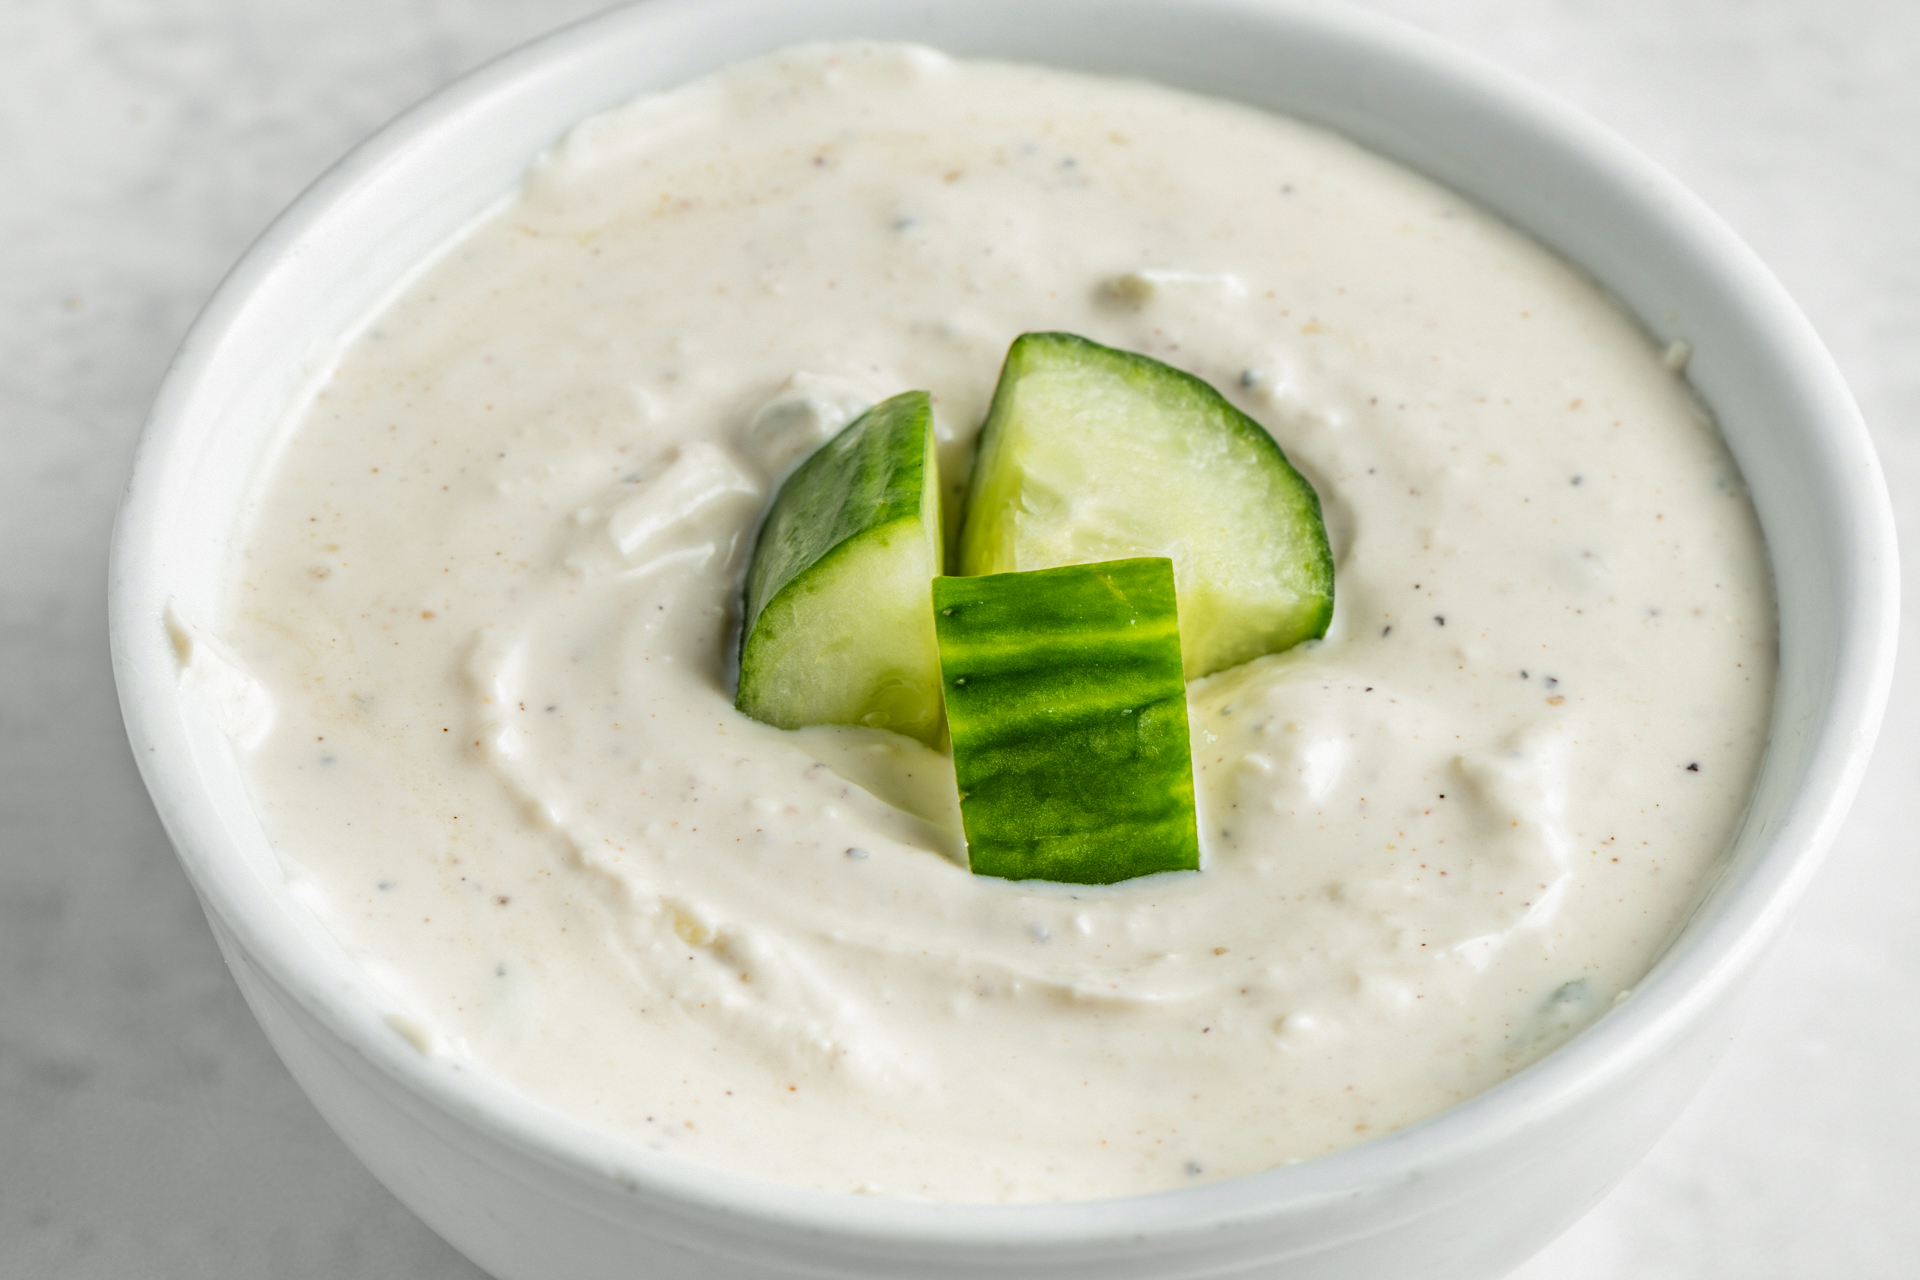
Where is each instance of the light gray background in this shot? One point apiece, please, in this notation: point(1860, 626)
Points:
point(145, 1127)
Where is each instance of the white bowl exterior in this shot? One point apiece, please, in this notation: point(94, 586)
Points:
point(1469, 1192)
point(525, 1218)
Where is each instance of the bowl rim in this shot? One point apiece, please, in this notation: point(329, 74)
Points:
point(1702, 972)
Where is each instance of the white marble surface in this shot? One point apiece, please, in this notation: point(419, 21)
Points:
point(145, 1127)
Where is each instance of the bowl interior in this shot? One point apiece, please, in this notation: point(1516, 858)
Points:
point(362, 230)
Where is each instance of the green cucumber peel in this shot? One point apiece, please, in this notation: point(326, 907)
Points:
point(1067, 709)
point(836, 625)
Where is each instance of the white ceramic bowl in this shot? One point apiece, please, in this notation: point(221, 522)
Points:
point(528, 1193)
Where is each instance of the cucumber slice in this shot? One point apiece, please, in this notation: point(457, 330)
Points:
point(837, 627)
point(1067, 707)
point(1090, 453)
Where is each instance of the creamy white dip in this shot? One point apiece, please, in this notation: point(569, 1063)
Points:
point(490, 589)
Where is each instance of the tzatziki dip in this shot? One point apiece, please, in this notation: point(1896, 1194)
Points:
point(484, 613)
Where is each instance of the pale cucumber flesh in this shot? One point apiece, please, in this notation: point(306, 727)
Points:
point(1090, 453)
point(837, 624)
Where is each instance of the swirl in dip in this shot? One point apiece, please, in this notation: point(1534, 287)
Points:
point(486, 604)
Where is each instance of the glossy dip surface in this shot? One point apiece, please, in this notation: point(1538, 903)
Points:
point(484, 606)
